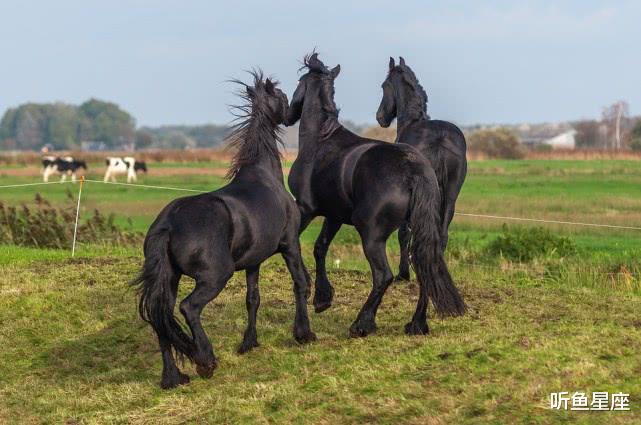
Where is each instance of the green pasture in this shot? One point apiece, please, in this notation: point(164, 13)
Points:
point(74, 351)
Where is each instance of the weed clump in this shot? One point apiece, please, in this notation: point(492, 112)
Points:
point(525, 244)
point(45, 226)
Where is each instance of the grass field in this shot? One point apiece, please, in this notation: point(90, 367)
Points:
point(74, 351)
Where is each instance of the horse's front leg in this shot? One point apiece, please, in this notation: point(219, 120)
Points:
point(324, 293)
point(404, 243)
point(305, 219)
point(209, 283)
point(252, 301)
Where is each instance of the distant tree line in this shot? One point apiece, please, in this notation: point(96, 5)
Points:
point(96, 125)
point(181, 136)
point(100, 125)
point(62, 126)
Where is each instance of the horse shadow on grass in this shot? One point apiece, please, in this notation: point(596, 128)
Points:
point(122, 352)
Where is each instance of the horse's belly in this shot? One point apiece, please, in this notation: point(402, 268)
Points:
point(335, 210)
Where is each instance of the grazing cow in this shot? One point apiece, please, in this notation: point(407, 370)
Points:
point(65, 166)
point(127, 165)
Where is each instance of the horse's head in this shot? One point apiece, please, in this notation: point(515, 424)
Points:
point(316, 87)
point(401, 87)
point(265, 96)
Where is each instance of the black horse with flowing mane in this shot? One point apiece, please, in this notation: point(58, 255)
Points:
point(209, 236)
point(374, 186)
point(441, 142)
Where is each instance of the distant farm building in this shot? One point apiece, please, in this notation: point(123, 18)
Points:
point(557, 135)
point(564, 140)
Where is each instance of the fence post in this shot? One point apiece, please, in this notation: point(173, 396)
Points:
point(75, 228)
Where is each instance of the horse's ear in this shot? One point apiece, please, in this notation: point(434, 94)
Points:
point(401, 61)
point(335, 71)
point(392, 64)
point(251, 92)
point(269, 86)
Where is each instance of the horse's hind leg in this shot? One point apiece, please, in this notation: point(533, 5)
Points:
point(250, 339)
point(294, 261)
point(374, 247)
point(418, 325)
point(449, 202)
point(404, 243)
point(324, 292)
point(209, 283)
point(171, 375)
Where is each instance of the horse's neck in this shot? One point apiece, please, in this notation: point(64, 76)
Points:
point(309, 131)
point(315, 125)
point(410, 110)
point(266, 165)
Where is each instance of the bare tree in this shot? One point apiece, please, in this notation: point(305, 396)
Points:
point(612, 117)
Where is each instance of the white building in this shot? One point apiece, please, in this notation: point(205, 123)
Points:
point(564, 140)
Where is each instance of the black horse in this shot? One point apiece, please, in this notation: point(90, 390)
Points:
point(210, 236)
point(441, 142)
point(372, 185)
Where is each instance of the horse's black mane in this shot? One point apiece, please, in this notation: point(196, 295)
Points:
point(416, 106)
point(314, 65)
point(255, 133)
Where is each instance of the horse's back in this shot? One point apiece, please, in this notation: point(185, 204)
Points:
point(388, 167)
point(436, 138)
point(332, 174)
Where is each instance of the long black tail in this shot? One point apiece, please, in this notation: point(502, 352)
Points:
point(157, 299)
point(427, 256)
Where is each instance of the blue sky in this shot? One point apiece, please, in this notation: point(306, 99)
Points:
point(480, 61)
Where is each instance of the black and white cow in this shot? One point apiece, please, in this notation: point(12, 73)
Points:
point(65, 166)
point(125, 165)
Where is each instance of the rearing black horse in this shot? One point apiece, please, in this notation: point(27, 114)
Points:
point(209, 236)
point(441, 142)
point(370, 184)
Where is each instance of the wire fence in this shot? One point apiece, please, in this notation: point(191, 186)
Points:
point(182, 189)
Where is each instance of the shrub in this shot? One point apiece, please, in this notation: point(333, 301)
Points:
point(45, 226)
point(496, 143)
point(524, 244)
point(635, 144)
point(543, 147)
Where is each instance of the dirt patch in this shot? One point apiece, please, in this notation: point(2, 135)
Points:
point(21, 172)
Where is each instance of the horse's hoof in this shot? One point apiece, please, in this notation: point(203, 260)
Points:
point(323, 301)
point(362, 329)
point(320, 307)
point(173, 382)
point(414, 328)
point(206, 371)
point(305, 337)
point(247, 346)
point(402, 277)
